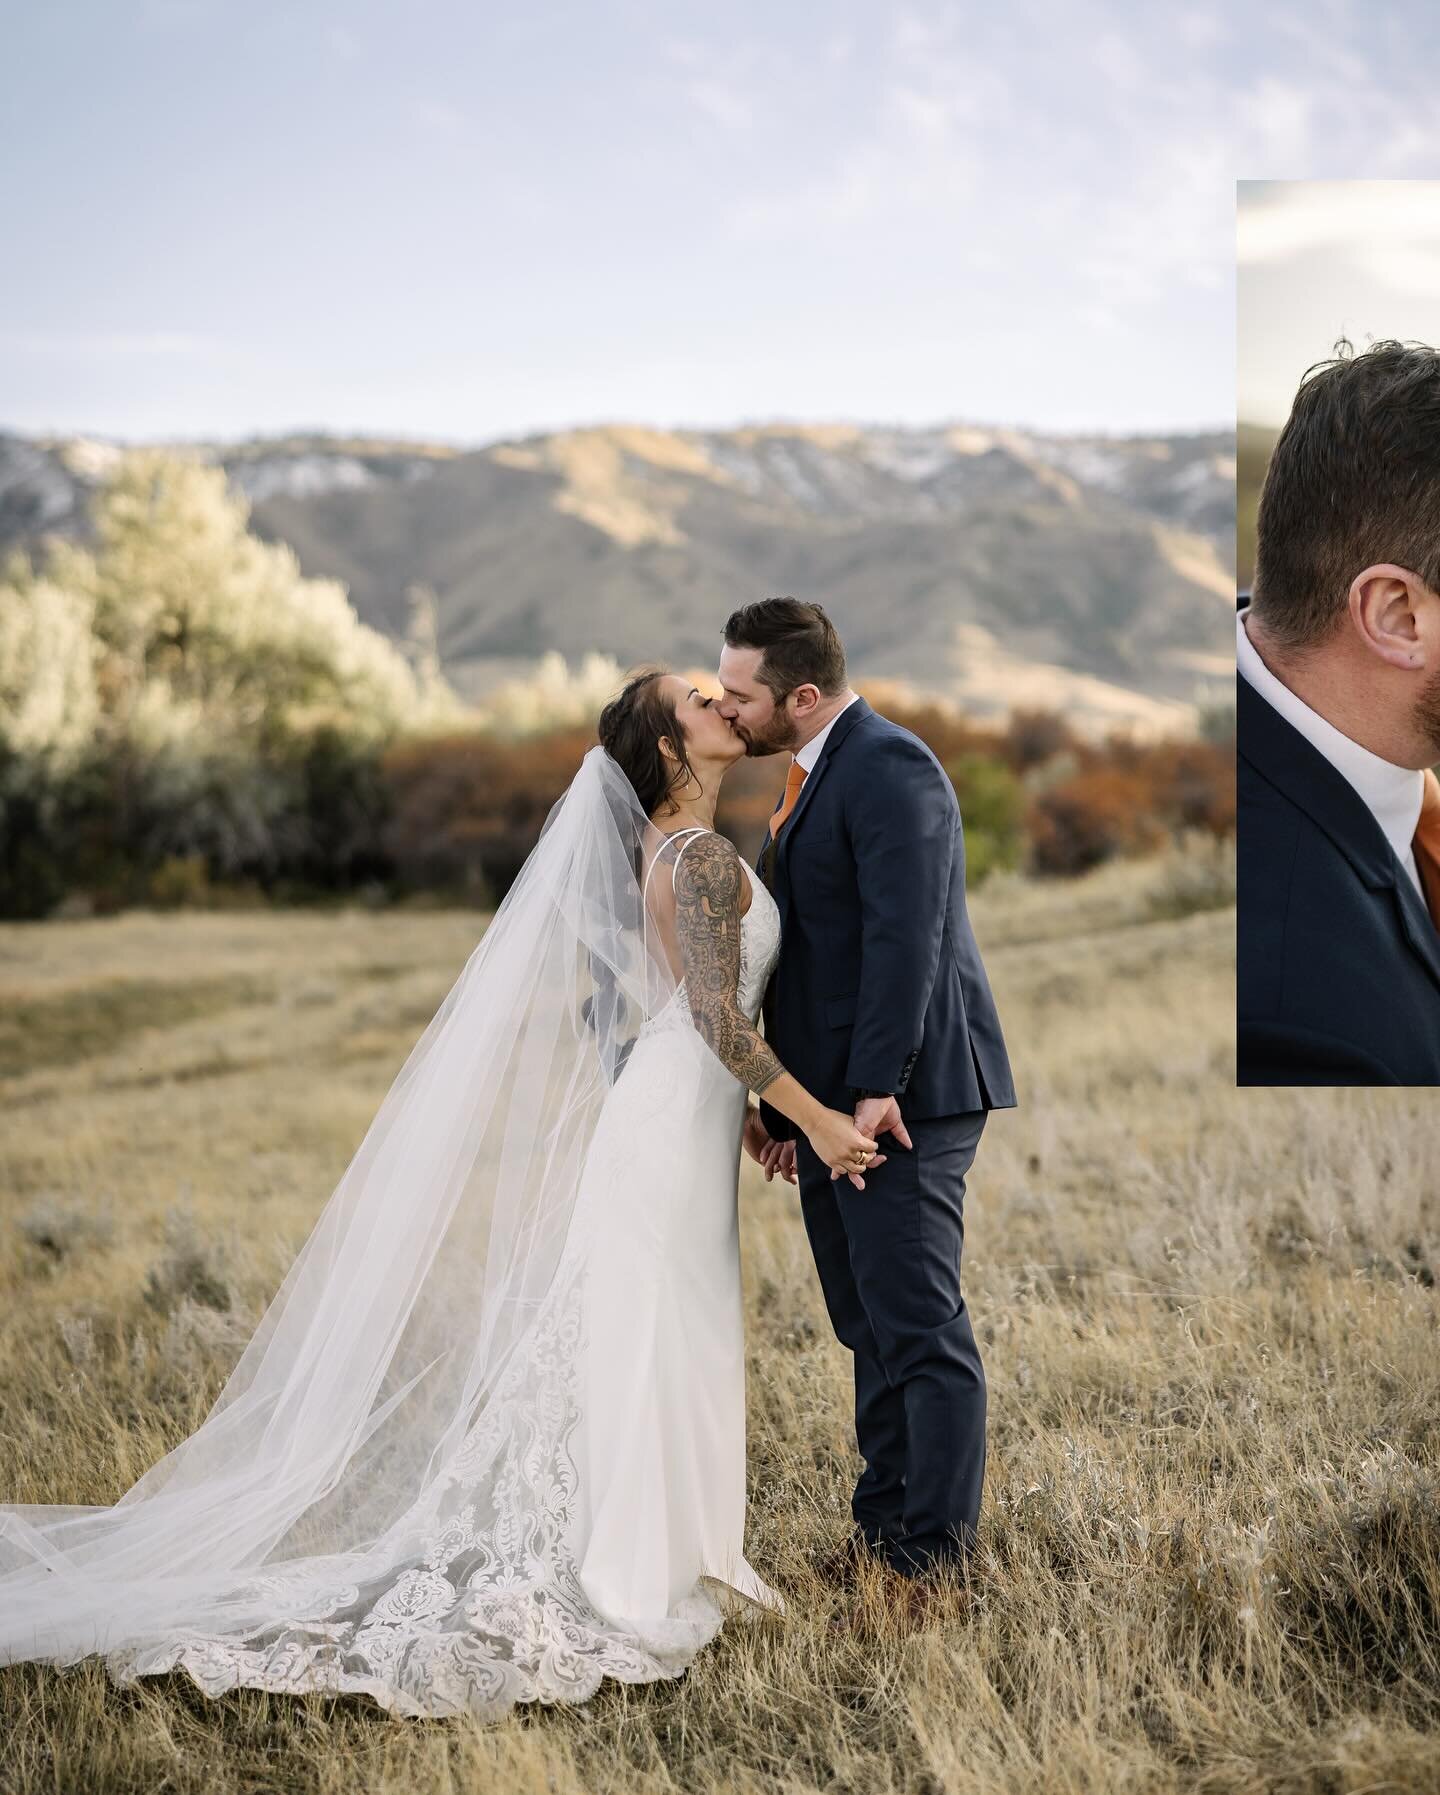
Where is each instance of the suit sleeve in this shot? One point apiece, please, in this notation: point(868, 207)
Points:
point(1279, 1053)
point(900, 818)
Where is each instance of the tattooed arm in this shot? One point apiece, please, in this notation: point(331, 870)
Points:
point(707, 925)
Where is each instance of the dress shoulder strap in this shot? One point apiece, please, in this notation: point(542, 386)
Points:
point(694, 830)
point(692, 833)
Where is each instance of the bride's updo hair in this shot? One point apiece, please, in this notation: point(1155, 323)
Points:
point(630, 730)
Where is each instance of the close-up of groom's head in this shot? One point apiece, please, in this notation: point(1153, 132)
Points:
point(1347, 552)
point(781, 666)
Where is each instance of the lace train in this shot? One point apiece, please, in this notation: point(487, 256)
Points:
point(480, 1607)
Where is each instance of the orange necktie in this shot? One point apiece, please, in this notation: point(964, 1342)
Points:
point(796, 779)
point(1426, 843)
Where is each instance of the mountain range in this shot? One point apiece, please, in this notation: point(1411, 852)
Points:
point(993, 567)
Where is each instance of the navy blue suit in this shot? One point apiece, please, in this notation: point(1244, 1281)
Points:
point(879, 987)
point(1337, 960)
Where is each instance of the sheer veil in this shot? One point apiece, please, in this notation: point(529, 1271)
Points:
point(370, 1405)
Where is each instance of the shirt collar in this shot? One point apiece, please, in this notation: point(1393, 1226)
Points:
point(810, 753)
point(1393, 793)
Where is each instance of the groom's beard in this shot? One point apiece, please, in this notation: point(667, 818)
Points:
point(779, 736)
point(1427, 714)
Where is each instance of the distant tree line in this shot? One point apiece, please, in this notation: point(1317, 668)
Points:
point(185, 718)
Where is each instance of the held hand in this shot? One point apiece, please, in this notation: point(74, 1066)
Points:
point(771, 1156)
point(841, 1145)
point(755, 1138)
point(779, 1157)
point(881, 1115)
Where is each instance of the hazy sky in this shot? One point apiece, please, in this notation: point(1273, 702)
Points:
point(1322, 259)
point(467, 220)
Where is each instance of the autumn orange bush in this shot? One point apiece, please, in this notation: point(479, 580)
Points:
point(464, 809)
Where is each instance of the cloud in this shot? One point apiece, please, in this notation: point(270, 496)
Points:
point(441, 118)
point(1122, 144)
point(1114, 56)
point(922, 151)
point(720, 81)
point(170, 343)
point(1389, 230)
point(1278, 120)
point(724, 104)
point(1199, 29)
point(167, 15)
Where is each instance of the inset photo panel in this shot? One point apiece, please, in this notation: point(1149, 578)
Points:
point(1337, 633)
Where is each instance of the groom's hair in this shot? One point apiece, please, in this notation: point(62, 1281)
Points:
point(798, 643)
point(1354, 480)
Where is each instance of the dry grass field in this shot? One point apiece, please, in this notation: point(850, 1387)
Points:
point(1209, 1321)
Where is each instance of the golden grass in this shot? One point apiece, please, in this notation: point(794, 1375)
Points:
point(1212, 1509)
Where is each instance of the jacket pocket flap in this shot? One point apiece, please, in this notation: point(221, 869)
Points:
point(840, 1011)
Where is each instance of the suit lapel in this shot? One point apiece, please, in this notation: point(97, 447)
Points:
point(1415, 920)
point(1296, 767)
point(765, 843)
point(844, 723)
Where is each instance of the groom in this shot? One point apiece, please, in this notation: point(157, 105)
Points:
point(1338, 711)
point(879, 1004)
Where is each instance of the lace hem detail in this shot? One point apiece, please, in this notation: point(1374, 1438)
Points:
point(486, 1608)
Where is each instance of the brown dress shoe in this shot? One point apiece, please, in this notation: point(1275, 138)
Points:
point(909, 1603)
point(923, 1602)
point(842, 1562)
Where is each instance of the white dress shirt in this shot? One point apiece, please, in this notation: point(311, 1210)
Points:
point(810, 753)
point(1393, 794)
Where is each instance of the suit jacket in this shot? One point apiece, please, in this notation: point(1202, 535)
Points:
point(879, 984)
point(1337, 960)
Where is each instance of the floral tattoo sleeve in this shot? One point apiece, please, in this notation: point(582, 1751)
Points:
point(707, 922)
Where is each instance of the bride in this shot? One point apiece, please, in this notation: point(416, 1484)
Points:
point(487, 1443)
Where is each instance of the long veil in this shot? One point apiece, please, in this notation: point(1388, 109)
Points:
point(407, 1383)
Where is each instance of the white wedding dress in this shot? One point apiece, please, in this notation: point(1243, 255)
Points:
point(588, 1523)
